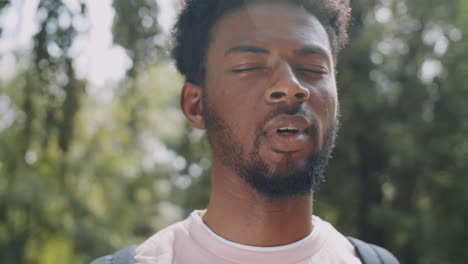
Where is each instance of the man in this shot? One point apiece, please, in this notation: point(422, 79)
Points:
point(260, 79)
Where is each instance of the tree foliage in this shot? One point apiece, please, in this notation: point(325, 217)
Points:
point(83, 174)
point(403, 130)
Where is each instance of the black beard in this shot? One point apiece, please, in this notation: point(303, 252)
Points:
point(282, 182)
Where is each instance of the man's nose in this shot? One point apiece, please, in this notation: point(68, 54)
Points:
point(287, 88)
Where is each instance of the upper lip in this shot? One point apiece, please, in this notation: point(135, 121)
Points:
point(284, 121)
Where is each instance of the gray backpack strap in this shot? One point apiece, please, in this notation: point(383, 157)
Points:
point(372, 254)
point(123, 256)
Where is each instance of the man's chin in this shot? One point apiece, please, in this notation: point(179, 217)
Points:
point(288, 168)
point(282, 185)
point(277, 159)
point(287, 179)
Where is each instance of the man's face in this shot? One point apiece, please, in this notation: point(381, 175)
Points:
point(270, 102)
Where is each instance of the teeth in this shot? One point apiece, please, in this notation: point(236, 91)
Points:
point(287, 130)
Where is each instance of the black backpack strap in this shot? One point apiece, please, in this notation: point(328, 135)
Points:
point(123, 256)
point(372, 254)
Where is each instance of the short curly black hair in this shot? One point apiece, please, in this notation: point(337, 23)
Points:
point(191, 34)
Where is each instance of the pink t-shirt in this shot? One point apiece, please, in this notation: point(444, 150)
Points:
point(192, 242)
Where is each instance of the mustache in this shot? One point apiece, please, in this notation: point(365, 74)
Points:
point(284, 108)
point(289, 109)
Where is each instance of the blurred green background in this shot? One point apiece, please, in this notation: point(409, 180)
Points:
point(95, 154)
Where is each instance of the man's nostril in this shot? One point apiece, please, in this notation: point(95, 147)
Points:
point(277, 95)
point(300, 95)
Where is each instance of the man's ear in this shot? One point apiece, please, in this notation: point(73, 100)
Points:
point(191, 104)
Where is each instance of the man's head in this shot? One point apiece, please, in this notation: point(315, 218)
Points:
point(260, 79)
point(193, 31)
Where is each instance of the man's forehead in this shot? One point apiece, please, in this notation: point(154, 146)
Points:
point(245, 29)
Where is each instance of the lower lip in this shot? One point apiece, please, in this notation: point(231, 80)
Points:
point(287, 143)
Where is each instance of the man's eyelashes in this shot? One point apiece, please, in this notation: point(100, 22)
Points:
point(250, 69)
point(263, 68)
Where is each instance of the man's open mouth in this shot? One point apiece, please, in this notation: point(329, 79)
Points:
point(287, 130)
point(288, 133)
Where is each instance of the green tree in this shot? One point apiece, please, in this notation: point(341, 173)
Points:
point(403, 131)
point(47, 98)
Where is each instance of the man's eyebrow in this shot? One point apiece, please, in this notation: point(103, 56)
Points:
point(310, 50)
point(246, 48)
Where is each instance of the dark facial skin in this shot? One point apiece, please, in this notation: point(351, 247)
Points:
point(257, 63)
point(271, 96)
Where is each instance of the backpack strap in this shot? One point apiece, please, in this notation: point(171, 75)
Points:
point(372, 254)
point(123, 256)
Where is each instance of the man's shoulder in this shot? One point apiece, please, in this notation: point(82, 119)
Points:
point(163, 241)
point(332, 243)
point(342, 245)
point(158, 246)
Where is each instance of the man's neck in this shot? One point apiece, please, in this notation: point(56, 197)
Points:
point(238, 213)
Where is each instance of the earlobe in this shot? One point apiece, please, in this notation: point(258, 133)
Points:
point(191, 104)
